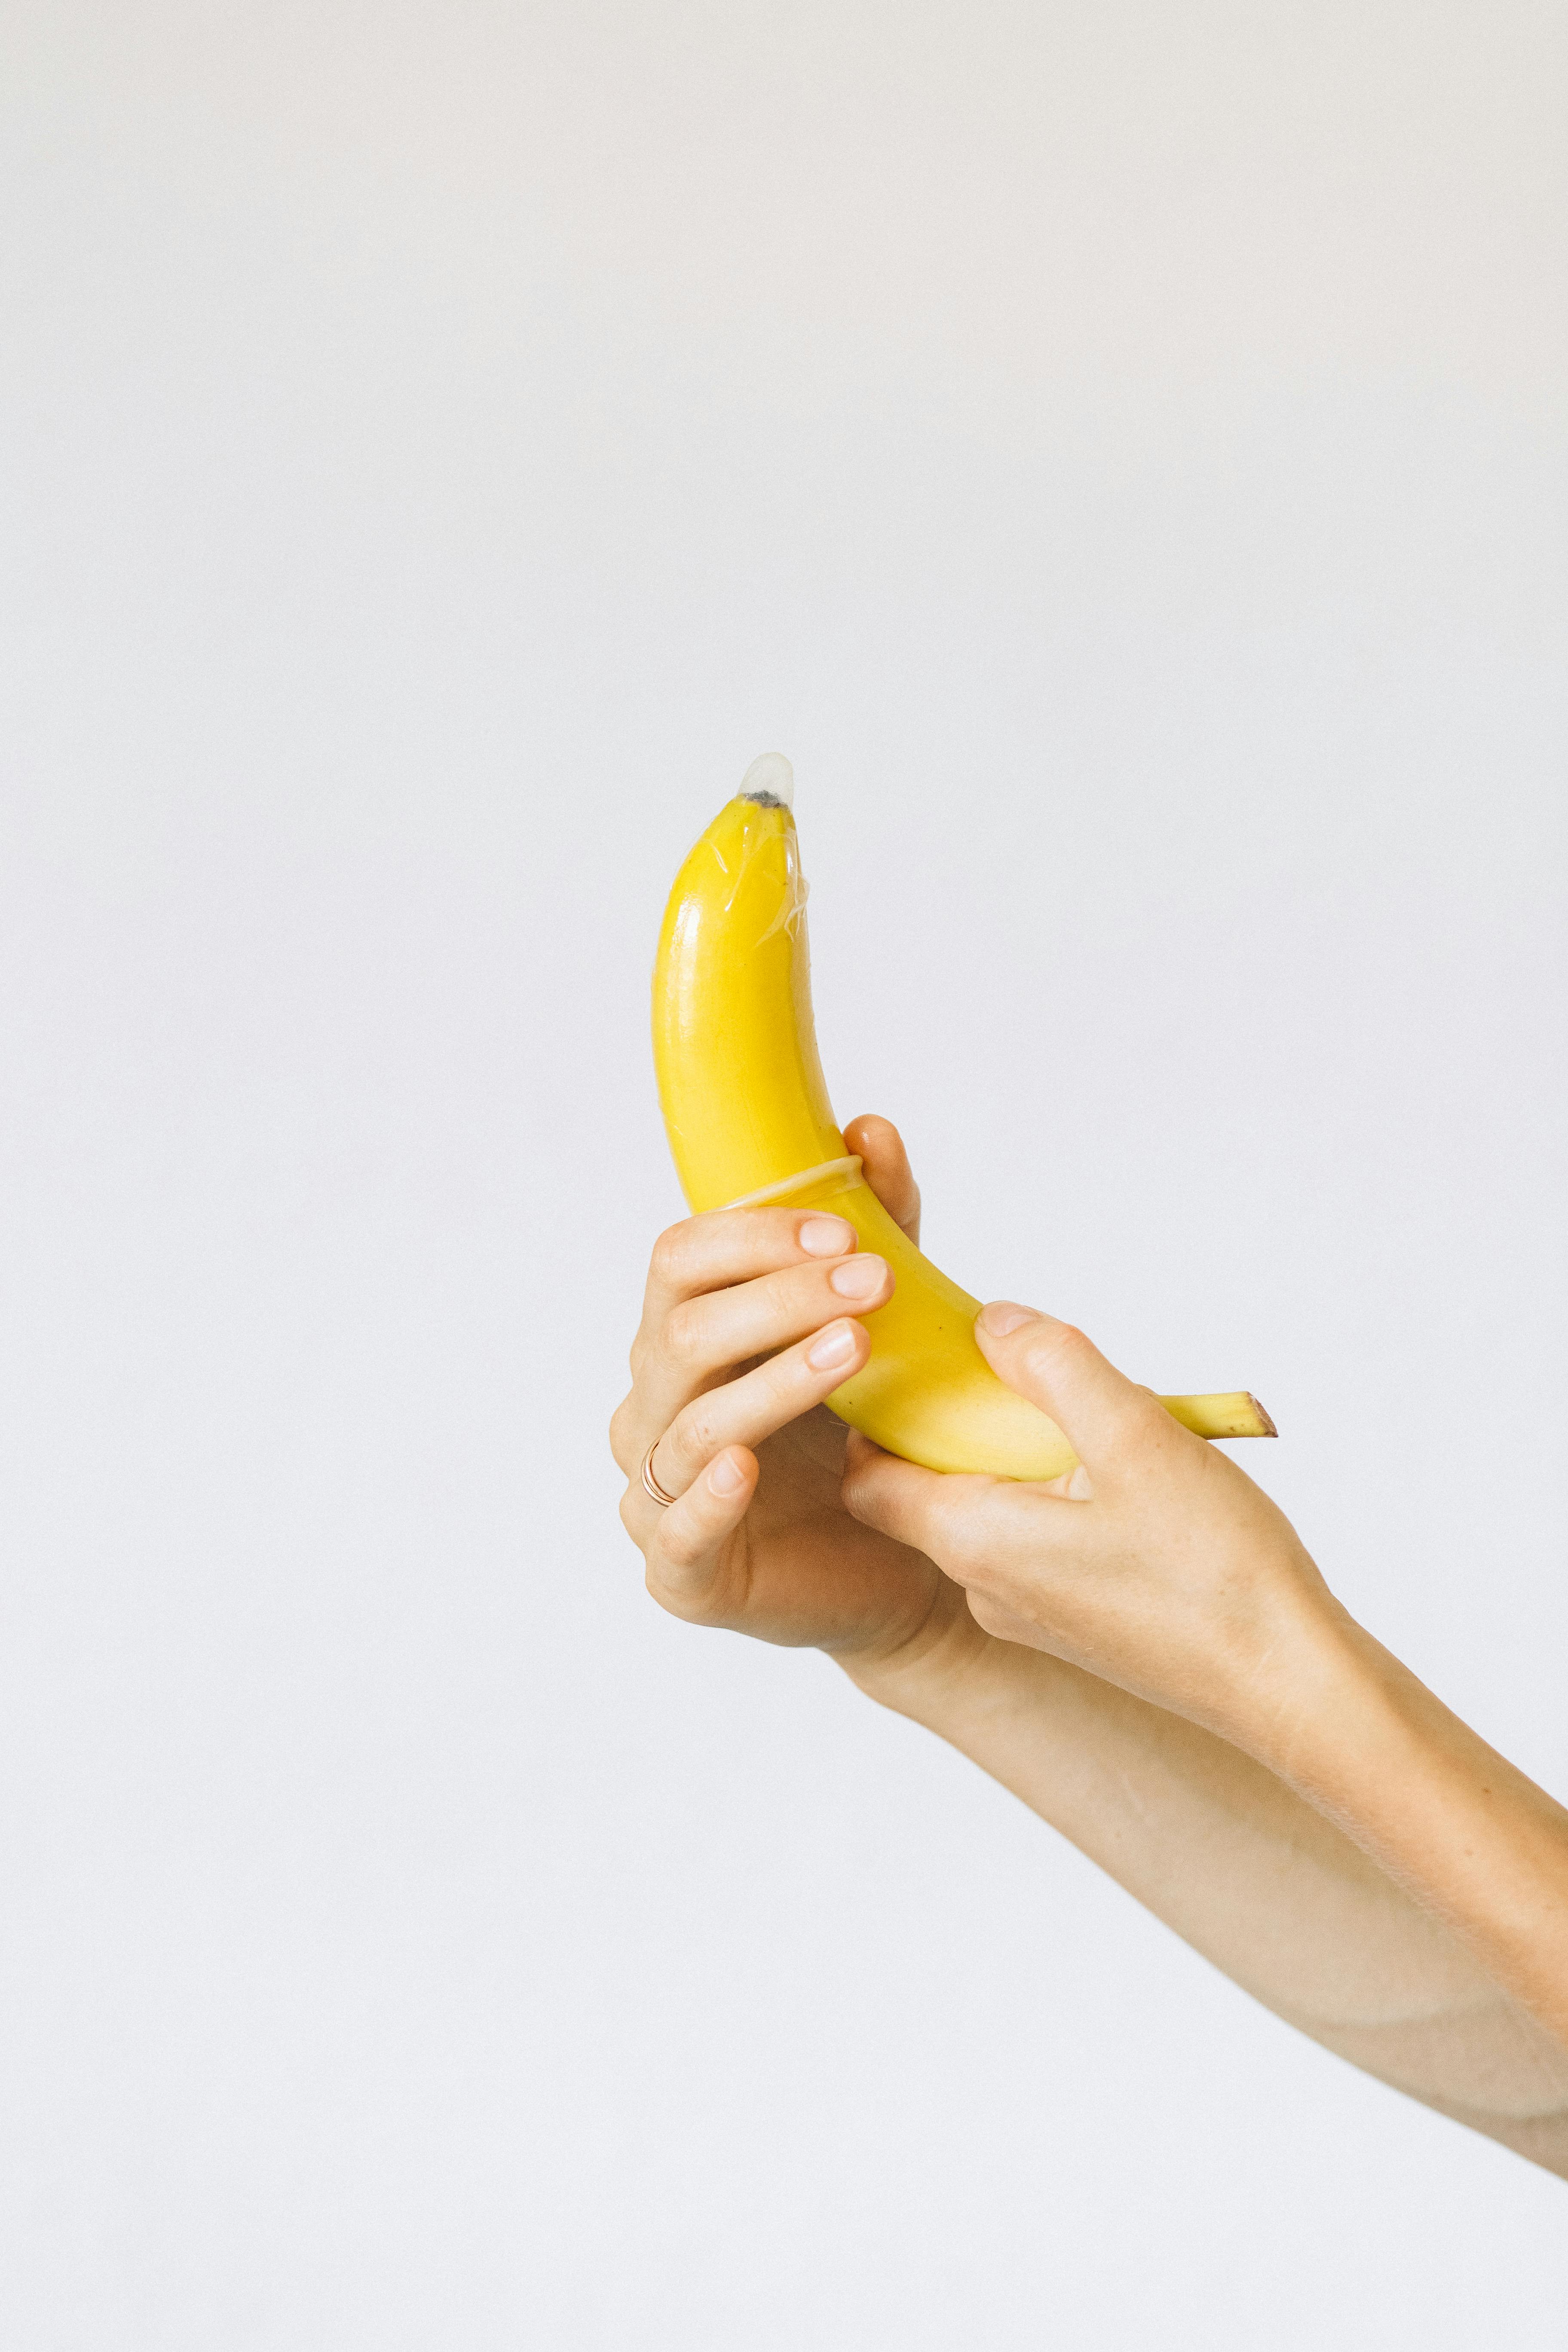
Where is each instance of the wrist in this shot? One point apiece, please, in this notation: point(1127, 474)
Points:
point(913, 1669)
point(1312, 1677)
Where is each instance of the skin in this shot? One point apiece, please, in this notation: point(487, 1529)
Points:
point(1143, 1652)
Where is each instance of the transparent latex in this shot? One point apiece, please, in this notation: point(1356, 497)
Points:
point(771, 780)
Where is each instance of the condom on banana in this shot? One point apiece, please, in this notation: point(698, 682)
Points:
point(749, 1120)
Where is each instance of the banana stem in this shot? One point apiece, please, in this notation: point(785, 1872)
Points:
point(1234, 1416)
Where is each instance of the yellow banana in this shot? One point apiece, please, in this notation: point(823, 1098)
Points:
point(748, 1117)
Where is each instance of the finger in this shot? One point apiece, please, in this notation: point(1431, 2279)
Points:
point(990, 1534)
point(729, 1245)
point(684, 1552)
point(744, 1411)
point(1106, 1418)
point(994, 1617)
point(1076, 1485)
point(938, 1513)
point(886, 1167)
point(704, 1338)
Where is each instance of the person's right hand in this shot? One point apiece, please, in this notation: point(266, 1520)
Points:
point(1155, 1564)
point(748, 1324)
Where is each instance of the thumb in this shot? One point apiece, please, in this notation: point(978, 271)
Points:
point(1106, 1416)
point(885, 1165)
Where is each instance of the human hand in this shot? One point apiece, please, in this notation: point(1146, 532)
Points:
point(1155, 1564)
point(748, 1323)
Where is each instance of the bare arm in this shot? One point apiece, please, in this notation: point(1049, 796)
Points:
point(1180, 1694)
point(1251, 1875)
point(1160, 1673)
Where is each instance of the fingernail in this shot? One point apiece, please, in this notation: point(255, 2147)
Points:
point(861, 1278)
point(1002, 1316)
point(833, 1346)
point(826, 1236)
point(726, 1474)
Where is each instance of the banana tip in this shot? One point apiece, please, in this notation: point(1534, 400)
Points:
point(769, 779)
point(1264, 1415)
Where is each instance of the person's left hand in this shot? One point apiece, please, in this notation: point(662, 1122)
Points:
point(1156, 1563)
point(726, 1406)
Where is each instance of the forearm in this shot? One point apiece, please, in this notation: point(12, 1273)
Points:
point(1248, 1871)
point(1469, 1835)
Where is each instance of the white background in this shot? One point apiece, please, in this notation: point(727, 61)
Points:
point(1118, 451)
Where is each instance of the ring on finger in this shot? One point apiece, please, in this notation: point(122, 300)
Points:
point(651, 1484)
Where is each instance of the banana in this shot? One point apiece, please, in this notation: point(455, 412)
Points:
point(749, 1119)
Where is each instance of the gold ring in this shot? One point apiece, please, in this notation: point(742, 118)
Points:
point(651, 1484)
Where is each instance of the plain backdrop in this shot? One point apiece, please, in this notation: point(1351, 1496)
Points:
point(1118, 451)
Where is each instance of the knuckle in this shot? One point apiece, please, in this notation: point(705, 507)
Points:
point(1057, 1353)
point(1067, 1344)
point(672, 1252)
point(628, 1508)
point(955, 1542)
point(958, 1534)
point(860, 1501)
point(1145, 1414)
point(775, 1292)
point(671, 1599)
point(672, 1578)
point(678, 1550)
point(1135, 1423)
point(660, 1589)
point(988, 1614)
point(620, 1433)
point(858, 1486)
point(684, 1329)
